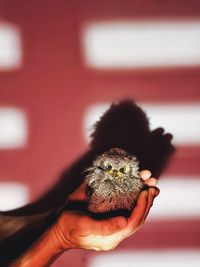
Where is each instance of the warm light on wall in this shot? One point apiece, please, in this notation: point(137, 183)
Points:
point(150, 258)
point(10, 47)
point(13, 195)
point(13, 128)
point(135, 44)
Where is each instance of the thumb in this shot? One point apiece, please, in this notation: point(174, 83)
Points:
point(79, 194)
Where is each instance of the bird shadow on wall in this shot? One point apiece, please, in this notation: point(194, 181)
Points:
point(124, 125)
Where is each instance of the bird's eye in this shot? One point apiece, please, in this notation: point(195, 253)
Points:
point(100, 168)
point(109, 167)
point(122, 170)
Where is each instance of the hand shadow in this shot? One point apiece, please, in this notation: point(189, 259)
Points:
point(124, 125)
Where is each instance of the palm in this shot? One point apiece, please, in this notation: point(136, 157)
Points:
point(76, 229)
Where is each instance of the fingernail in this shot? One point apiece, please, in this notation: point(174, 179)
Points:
point(146, 174)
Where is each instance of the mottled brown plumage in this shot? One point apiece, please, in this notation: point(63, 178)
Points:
point(113, 182)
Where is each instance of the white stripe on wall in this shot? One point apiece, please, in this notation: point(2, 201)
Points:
point(178, 198)
point(13, 195)
point(128, 44)
point(181, 120)
point(13, 128)
point(164, 258)
point(10, 47)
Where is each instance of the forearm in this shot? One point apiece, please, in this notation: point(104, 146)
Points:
point(43, 253)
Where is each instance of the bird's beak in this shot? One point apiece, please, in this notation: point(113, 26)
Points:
point(115, 173)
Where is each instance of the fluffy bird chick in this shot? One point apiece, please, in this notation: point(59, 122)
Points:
point(113, 182)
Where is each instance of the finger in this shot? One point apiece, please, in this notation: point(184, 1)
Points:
point(105, 227)
point(168, 137)
point(151, 182)
point(158, 131)
point(80, 193)
point(145, 174)
point(138, 212)
point(153, 192)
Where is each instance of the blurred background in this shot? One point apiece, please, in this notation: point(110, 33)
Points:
point(61, 65)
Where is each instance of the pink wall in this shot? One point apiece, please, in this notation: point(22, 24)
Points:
point(54, 87)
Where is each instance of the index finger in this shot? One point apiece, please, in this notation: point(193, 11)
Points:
point(138, 212)
point(153, 192)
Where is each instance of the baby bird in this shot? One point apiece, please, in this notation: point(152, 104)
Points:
point(113, 182)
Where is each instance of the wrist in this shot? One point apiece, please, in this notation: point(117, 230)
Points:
point(60, 241)
point(44, 252)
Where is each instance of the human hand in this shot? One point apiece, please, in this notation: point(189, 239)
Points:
point(78, 230)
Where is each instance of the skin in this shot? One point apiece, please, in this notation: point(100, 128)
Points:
point(77, 230)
